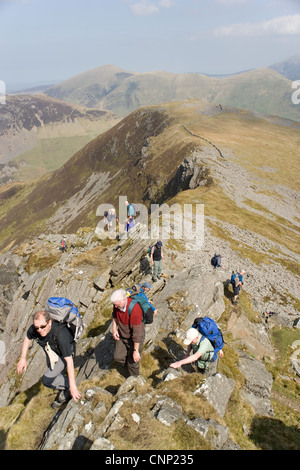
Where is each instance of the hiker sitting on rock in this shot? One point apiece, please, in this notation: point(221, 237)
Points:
point(203, 352)
point(144, 289)
point(58, 344)
point(216, 261)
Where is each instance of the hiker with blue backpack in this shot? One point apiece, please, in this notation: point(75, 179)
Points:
point(128, 329)
point(205, 341)
point(237, 282)
point(131, 211)
point(57, 341)
point(144, 289)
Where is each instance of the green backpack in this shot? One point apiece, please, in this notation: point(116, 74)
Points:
point(144, 304)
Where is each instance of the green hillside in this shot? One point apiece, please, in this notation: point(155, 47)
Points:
point(262, 90)
point(39, 133)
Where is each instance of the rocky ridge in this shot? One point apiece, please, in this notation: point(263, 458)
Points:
point(186, 290)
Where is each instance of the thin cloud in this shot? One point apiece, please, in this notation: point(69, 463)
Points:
point(166, 3)
point(146, 8)
point(281, 25)
point(231, 2)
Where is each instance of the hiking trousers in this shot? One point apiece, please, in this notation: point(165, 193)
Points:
point(157, 268)
point(123, 354)
point(56, 379)
point(210, 370)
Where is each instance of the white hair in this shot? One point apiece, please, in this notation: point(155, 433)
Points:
point(119, 294)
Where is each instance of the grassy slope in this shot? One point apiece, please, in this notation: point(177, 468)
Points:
point(254, 142)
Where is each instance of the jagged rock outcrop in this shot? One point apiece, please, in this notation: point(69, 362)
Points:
point(190, 174)
point(217, 389)
point(257, 390)
point(8, 283)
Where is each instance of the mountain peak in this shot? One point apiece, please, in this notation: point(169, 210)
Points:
point(289, 68)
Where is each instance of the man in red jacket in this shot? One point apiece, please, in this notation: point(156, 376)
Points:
point(128, 331)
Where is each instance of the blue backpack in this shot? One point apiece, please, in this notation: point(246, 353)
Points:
point(209, 329)
point(65, 311)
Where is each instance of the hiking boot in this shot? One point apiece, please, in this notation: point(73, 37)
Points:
point(63, 397)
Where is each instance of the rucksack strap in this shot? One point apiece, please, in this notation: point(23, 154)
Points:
point(56, 330)
point(131, 305)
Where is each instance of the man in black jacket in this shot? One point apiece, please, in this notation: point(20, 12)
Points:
point(157, 259)
point(57, 342)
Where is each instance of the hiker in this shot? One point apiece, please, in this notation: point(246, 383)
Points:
point(128, 332)
point(203, 352)
point(130, 211)
point(267, 315)
point(111, 215)
point(58, 344)
point(105, 220)
point(157, 259)
point(237, 281)
point(64, 245)
point(144, 289)
point(129, 224)
point(216, 261)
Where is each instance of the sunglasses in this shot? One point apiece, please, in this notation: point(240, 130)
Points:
point(42, 327)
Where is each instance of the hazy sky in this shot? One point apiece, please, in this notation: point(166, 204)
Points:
point(52, 40)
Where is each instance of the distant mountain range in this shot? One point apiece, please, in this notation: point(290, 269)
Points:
point(40, 131)
point(267, 90)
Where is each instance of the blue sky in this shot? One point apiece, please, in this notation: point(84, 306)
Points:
point(52, 40)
